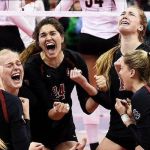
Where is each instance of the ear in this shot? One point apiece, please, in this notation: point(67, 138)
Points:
point(132, 73)
point(62, 39)
point(140, 28)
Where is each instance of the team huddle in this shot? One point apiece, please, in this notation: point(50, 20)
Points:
point(111, 69)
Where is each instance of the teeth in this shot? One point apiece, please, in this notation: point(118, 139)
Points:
point(16, 76)
point(124, 22)
point(50, 43)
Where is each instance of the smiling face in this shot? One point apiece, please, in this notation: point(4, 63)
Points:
point(12, 75)
point(130, 21)
point(50, 40)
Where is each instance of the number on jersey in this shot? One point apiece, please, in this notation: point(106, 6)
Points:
point(89, 3)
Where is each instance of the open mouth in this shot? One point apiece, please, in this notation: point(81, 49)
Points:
point(50, 46)
point(121, 85)
point(16, 77)
point(124, 22)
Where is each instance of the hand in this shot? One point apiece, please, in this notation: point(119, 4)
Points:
point(138, 148)
point(58, 111)
point(25, 106)
point(121, 106)
point(101, 83)
point(80, 146)
point(61, 107)
point(129, 108)
point(36, 146)
point(76, 75)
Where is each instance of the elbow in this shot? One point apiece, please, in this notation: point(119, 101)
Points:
point(87, 112)
point(90, 109)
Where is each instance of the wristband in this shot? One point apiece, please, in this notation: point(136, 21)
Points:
point(125, 118)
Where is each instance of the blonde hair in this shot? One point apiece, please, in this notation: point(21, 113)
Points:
point(104, 63)
point(140, 61)
point(6, 51)
point(2, 145)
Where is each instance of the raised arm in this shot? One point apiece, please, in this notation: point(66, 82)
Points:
point(19, 21)
point(96, 96)
point(64, 5)
point(121, 5)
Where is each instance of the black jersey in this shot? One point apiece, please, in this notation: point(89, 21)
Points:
point(15, 132)
point(117, 129)
point(53, 84)
point(115, 120)
point(10, 38)
point(141, 112)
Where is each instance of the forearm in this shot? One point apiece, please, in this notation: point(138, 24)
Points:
point(103, 99)
point(121, 5)
point(19, 21)
point(23, 24)
point(130, 124)
point(91, 105)
point(64, 5)
point(89, 89)
point(55, 115)
point(133, 130)
point(20, 135)
point(28, 128)
point(26, 115)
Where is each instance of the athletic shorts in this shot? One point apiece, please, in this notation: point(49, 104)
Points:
point(67, 134)
point(91, 45)
point(126, 142)
point(10, 38)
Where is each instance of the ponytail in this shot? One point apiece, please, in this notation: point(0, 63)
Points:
point(104, 63)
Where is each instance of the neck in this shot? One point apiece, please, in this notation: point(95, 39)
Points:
point(137, 85)
point(53, 62)
point(13, 91)
point(129, 43)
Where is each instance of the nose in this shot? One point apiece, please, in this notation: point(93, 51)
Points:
point(16, 66)
point(48, 37)
point(124, 16)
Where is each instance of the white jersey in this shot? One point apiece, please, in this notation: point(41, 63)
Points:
point(21, 22)
point(4, 6)
point(103, 26)
point(31, 7)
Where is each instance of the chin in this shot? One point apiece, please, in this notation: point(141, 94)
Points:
point(17, 86)
point(127, 89)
